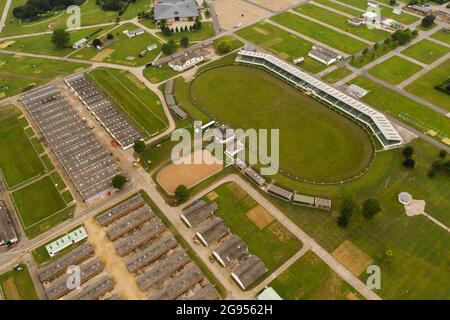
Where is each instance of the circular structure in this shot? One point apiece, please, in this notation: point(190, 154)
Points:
point(317, 144)
point(405, 198)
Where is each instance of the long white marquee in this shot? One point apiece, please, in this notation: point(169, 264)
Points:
point(376, 121)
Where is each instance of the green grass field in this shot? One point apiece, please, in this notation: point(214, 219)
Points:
point(320, 33)
point(282, 43)
point(40, 206)
point(181, 93)
point(394, 103)
point(206, 32)
point(159, 74)
point(273, 243)
point(340, 21)
point(442, 36)
point(234, 43)
point(42, 44)
point(424, 86)
point(137, 102)
point(17, 285)
point(336, 75)
point(122, 48)
point(308, 129)
point(395, 70)
point(426, 51)
point(18, 74)
point(309, 278)
point(19, 161)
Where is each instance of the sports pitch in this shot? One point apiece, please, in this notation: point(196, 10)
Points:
point(316, 143)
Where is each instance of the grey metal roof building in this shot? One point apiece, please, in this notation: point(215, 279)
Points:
point(179, 284)
point(232, 248)
point(8, 234)
point(95, 290)
point(212, 230)
point(179, 112)
point(87, 163)
point(303, 200)
point(376, 121)
point(162, 270)
point(60, 266)
point(176, 9)
point(248, 271)
point(59, 287)
point(198, 213)
point(120, 210)
point(170, 100)
point(280, 192)
point(168, 89)
point(104, 110)
point(130, 222)
point(255, 177)
point(208, 292)
point(140, 237)
point(151, 253)
point(322, 203)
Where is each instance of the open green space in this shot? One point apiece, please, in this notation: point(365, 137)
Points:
point(319, 32)
point(282, 43)
point(160, 73)
point(336, 75)
point(309, 278)
point(394, 103)
point(18, 74)
point(424, 86)
point(308, 129)
point(42, 44)
point(181, 93)
point(122, 50)
point(40, 206)
point(206, 32)
point(412, 252)
point(442, 36)
point(340, 21)
point(232, 41)
point(340, 7)
point(19, 161)
point(426, 51)
point(18, 285)
point(136, 101)
point(395, 70)
point(270, 241)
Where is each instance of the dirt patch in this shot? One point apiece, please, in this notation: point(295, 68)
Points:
point(416, 207)
point(6, 44)
point(352, 296)
point(352, 257)
point(173, 175)
point(284, 56)
point(237, 191)
point(261, 31)
point(115, 266)
point(260, 217)
point(10, 290)
point(212, 196)
point(271, 42)
point(102, 55)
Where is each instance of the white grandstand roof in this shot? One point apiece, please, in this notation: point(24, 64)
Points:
point(380, 120)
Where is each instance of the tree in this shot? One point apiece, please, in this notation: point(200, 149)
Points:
point(428, 21)
point(409, 163)
point(139, 146)
point(346, 212)
point(182, 193)
point(184, 42)
point(224, 47)
point(60, 38)
point(119, 181)
point(168, 48)
point(442, 153)
point(97, 43)
point(392, 2)
point(109, 36)
point(370, 208)
point(408, 152)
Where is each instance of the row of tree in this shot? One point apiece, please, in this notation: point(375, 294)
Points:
point(349, 207)
point(32, 9)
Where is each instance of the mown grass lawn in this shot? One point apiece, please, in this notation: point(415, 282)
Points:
point(308, 129)
point(395, 70)
point(122, 50)
point(426, 51)
point(159, 74)
point(181, 93)
point(340, 21)
point(394, 103)
point(281, 43)
point(309, 278)
point(273, 243)
point(232, 41)
point(320, 33)
point(21, 73)
point(336, 75)
point(136, 101)
point(424, 86)
point(17, 285)
point(19, 161)
point(442, 36)
point(206, 32)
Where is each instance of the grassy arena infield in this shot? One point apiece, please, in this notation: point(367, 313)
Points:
point(17, 285)
point(316, 143)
